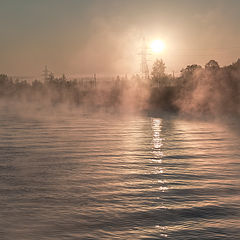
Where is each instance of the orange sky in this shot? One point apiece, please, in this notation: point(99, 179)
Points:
point(104, 36)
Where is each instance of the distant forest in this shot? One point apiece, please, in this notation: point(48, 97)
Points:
point(208, 90)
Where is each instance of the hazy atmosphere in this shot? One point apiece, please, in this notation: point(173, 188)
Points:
point(119, 120)
point(91, 36)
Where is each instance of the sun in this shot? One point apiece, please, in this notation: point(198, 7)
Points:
point(157, 46)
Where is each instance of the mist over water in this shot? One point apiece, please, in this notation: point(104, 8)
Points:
point(106, 176)
point(106, 151)
point(212, 91)
point(121, 159)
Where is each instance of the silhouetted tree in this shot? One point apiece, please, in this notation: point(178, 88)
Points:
point(212, 65)
point(158, 69)
point(190, 69)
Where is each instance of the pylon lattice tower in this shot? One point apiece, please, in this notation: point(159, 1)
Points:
point(45, 73)
point(143, 65)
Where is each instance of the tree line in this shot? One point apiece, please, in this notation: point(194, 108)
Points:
point(210, 90)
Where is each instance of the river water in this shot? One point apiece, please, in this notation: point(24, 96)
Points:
point(118, 177)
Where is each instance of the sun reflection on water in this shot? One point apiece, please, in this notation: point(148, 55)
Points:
point(157, 143)
point(157, 140)
point(157, 159)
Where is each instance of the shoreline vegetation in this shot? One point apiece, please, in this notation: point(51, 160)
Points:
point(199, 91)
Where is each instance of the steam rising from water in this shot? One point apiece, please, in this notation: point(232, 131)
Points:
point(211, 92)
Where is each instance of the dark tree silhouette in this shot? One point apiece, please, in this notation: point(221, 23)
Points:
point(212, 65)
point(190, 69)
point(158, 69)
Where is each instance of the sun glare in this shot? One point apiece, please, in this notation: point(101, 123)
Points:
point(157, 46)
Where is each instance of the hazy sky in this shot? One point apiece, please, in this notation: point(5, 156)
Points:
point(104, 36)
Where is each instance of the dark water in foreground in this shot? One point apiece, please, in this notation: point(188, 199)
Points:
point(118, 178)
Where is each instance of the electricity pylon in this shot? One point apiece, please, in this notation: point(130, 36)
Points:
point(45, 74)
point(143, 65)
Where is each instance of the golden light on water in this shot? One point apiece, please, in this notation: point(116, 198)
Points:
point(157, 46)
